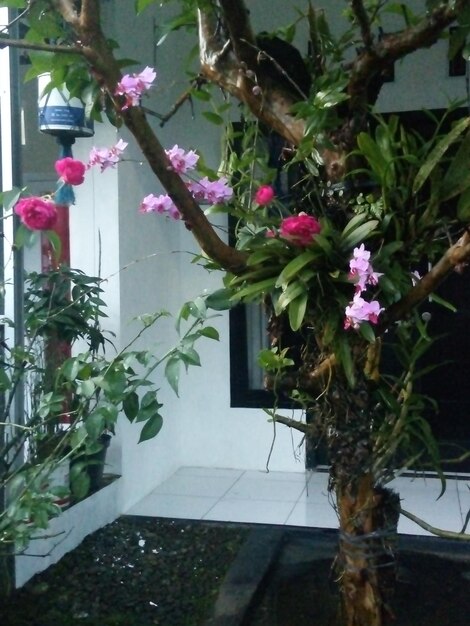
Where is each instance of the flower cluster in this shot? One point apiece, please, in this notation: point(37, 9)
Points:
point(71, 171)
point(299, 230)
point(36, 213)
point(181, 161)
point(203, 190)
point(132, 86)
point(106, 157)
point(362, 273)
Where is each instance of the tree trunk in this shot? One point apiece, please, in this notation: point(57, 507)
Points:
point(368, 532)
point(368, 513)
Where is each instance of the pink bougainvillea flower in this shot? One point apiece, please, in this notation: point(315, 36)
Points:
point(71, 171)
point(106, 157)
point(36, 213)
point(162, 204)
point(213, 191)
point(264, 195)
point(359, 310)
point(132, 86)
point(181, 161)
point(361, 270)
point(300, 229)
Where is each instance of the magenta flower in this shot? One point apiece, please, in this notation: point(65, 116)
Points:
point(162, 204)
point(36, 213)
point(132, 86)
point(264, 195)
point(359, 310)
point(106, 157)
point(181, 161)
point(71, 171)
point(300, 229)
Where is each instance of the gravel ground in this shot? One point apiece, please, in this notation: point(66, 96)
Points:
point(133, 572)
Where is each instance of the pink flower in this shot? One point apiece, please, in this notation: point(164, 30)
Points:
point(300, 229)
point(106, 157)
point(359, 311)
point(71, 171)
point(264, 195)
point(132, 86)
point(182, 161)
point(162, 204)
point(213, 191)
point(36, 213)
point(361, 270)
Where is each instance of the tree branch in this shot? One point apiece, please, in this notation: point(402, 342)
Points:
point(67, 9)
point(439, 532)
point(362, 19)
point(366, 70)
point(42, 47)
point(89, 14)
point(221, 65)
point(456, 255)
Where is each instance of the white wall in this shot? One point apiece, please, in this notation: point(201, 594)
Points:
point(200, 428)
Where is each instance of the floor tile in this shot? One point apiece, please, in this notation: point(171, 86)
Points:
point(313, 514)
point(250, 511)
point(209, 471)
point(209, 486)
point(251, 488)
point(163, 505)
point(299, 477)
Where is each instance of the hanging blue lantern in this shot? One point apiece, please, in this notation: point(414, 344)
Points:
point(65, 118)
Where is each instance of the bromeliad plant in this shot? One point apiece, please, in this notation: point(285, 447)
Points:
point(334, 257)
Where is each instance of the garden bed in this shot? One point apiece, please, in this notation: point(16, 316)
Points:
point(142, 571)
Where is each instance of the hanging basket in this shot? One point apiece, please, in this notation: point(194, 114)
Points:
point(60, 114)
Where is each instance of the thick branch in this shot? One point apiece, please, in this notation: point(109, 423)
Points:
point(240, 31)
point(67, 9)
point(103, 63)
point(89, 14)
point(221, 66)
point(371, 63)
point(362, 19)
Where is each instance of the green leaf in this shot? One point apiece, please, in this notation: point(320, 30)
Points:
point(189, 356)
point(256, 289)
point(86, 388)
point(344, 356)
point(172, 372)
point(25, 237)
point(141, 5)
point(210, 332)
point(9, 198)
point(438, 152)
point(94, 425)
point(213, 117)
point(220, 300)
point(463, 207)
point(151, 428)
point(130, 405)
point(457, 177)
point(358, 235)
point(292, 291)
point(294, 267)
point(297, 310)
point(366, 331)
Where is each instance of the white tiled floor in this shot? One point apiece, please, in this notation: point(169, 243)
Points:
point(297, 499)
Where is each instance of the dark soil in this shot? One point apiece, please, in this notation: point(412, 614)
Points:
point(145, 571)
point(133, 572)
